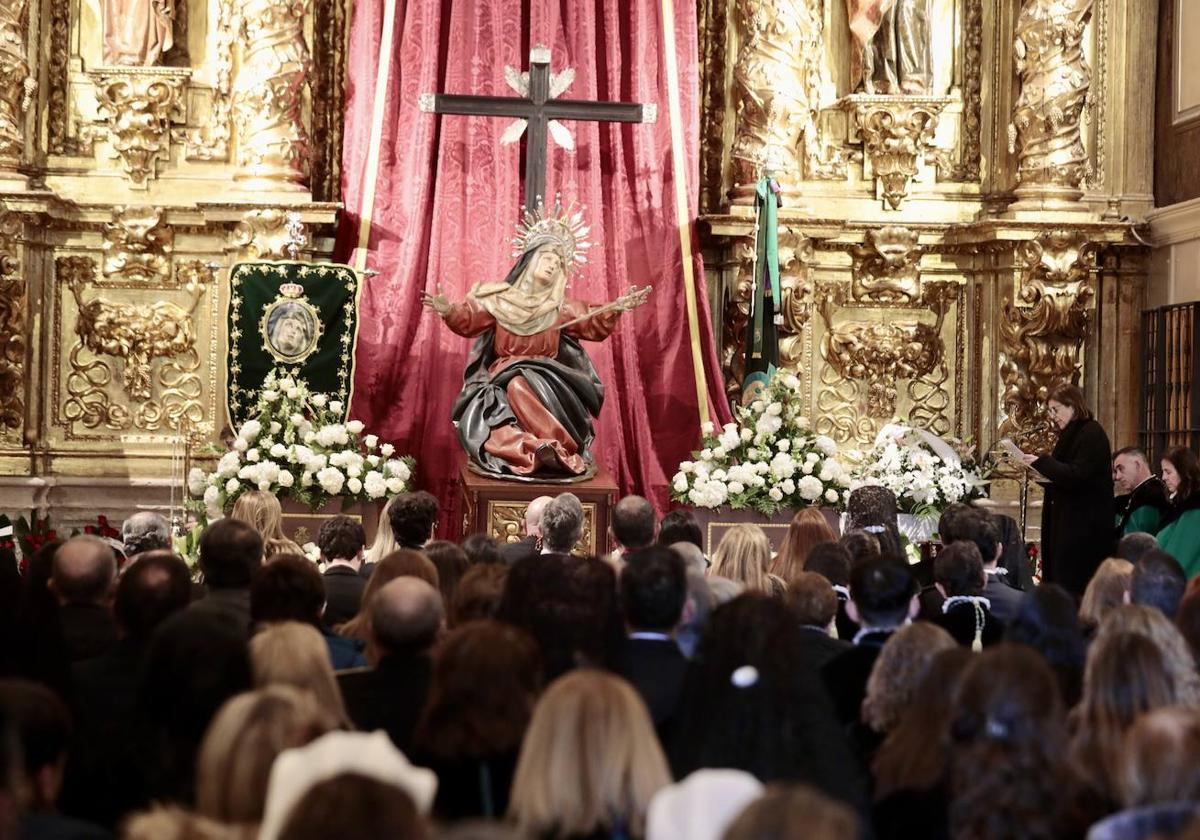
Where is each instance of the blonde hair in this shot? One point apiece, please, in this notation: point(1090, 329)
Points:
point(1105, 591)
point(744, 555)
point(295, 654)
point(1161, 759)
point(385, 538)
point(902, 663)
point(808, 528)
point(1177, 656)
point(249, 731)
point(590, 756)
point(262, 512)
point(170, 822)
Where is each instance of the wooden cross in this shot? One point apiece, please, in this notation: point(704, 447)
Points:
point(537, 109)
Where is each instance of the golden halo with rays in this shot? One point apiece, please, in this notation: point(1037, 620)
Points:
point(562, 226)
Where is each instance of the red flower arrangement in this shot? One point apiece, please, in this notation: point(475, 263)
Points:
point(102, 529)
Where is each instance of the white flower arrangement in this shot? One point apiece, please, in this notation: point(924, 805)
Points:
point(768, 460)
point(926, 473)
point(297, 446)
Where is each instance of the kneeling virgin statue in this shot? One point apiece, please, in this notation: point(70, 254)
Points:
point(529, 390)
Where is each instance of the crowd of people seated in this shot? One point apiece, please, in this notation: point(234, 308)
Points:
point(418, 688)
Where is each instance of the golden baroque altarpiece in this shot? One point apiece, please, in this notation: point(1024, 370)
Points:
point(145, 148)
point(956, 237)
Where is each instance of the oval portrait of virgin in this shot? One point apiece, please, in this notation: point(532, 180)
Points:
point(290, 329)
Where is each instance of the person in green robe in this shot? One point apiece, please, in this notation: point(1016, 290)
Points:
point(1143, 503)
point(1180, 537)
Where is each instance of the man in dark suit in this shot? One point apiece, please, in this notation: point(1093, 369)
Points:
point(811, 597)
point(407, 617)
point(82, 578)
point(341, 540)
point(653, 593)
point(1143, 504)
point(230, 553)
point(883, 597)
point(528, 546)
point(413, 517)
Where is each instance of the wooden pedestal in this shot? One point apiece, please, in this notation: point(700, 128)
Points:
point(302, 525)
point(497, 507)
point(715, 522)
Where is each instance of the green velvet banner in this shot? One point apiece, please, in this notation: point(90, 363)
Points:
point(300, 319)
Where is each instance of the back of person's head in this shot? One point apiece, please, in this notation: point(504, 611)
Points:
point(353, 805)
point(958, 569)
point(1006, 737)
point(479, 592)
point(1188, 621)
point(1151, 623)
point(634, 522)
point(412, 517)
point(404, 562)
point(341, 538)
point(808, 528)
point(289, 588)
point(295, 654)
point(486, 677)
point(812, 599)
point(590, 760)
point(1131, 547)
point(84, 570)
point(831, 561)
point(407, 614)
point(451, 563)
point(794, 812)
point(230, 552)
point(261, 511)
point(872, 508)
point(979, 526)
point(149, 591)
point(1158, 581)
point(1160, 759)
point(744, 555)
point(653, 589)
point(1047, 620)
point(678, 526)
point(859, 545)
point(1105, 591)
point(385, 540)
point(562, 523)
point(882, 592)
point(902, 663)
point(43, 729)
point(952, 522)
point(145, 531)
point(481, 548)
point(693, 558)
point(249, 731)
point(533, 515)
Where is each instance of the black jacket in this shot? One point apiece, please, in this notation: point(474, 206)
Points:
point(656, 668)
point(343, 594)
point(390, 696)
point(846, 675)
point(1077, 519)
point(1150, 493)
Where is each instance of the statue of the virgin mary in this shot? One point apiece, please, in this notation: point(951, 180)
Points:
point(529, 390)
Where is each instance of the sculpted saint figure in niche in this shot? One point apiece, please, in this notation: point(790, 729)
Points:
point(137, 32)
point(893, 37)
point(530, 391)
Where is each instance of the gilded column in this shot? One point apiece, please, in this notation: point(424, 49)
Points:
point(777, 81)
point(1045, 132)
point(16, 87)
point(272, 143)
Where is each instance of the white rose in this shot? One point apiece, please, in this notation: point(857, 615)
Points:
point(331, 480)
point(831, 496)
point(252, 455)
point(826, 444)
point(250, 430)
point(791, 381)
point(335, 406)
point(286, 479)
point(355, 427)
point(278, 450)
point(706, 455)
point(685, 467)
point(319, 400)
point(386, 450)
point(306, 479)
point(228, 465)
point(774, 409)
point(287, 382)
point(276, 428)
point(211, 496)
point(736, 487)
point(788, 487)
point(681, 483)
point(270, 395)
point(776, 494)
point(240, 445)
point(395, 485)
point(809, 488)
point(374, 460)
point(375, 484)
point(802, 422)
point(371, 441)
point(232, 486)
point(297, 419)
point(707, 429)
point(746, 435)
point(719, 452)
point(354, 486)
point(196, 481)
point(783, 444)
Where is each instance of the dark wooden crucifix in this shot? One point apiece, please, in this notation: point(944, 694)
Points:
point(537, 109)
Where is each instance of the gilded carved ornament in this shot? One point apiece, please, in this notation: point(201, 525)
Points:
point(16, 84)
point(506, 523)
point(138, 245)
point(1043, 330)
point(272, 141)
point(887, 268)
point(139, 105)
point(897, 134)
point(13, 309)
point(211, 141)
point(271, 234)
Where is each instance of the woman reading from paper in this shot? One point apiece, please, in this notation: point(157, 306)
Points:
point(529, 390)
point(1078, 509)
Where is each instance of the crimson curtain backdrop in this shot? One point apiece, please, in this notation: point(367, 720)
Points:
point(446, 197)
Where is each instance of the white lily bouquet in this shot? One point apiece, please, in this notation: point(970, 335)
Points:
point(926, 473)
point(768, 460)
point(298, 446)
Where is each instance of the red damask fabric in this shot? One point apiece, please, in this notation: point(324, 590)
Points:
point(447, 197)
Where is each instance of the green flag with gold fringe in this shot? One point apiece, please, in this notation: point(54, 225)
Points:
point(300, 319)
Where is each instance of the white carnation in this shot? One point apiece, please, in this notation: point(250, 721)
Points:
point(399, 469)
point(228, 465)
point(746, 434)
point(831, 496)
point(270, 395)
point(783, 444)
point(297, 419)
point(319, 400)
point(354, 486)
point(232, 486)
point(240, 445)
point(809, 488)
point(681, 483)
point(788, 487)
point(286, 479)
point(293, 393)
point(250, 430)
point(333, 435)
point(331, 480)
point(212, 495)
point(826, 444)
point(278, 451)
point(287, 382)
point(375, 484)
point(774, 409)
point(736, 487)
point(791, 381)
point(776, 494)
point(395, 485)
point(196, 481)
point(686, 467)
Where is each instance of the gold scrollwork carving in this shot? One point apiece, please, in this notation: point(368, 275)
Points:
point(137, 335)
point(506, 523)
point(12, 329)
point(211, 141)
point(713, 40)
point(140, 104)
point(897, 133)
point(837, 414)
point(1043, 330)
point(329, 98)
point(138, 245)
point(272, 147)
point(271, 234)
point(16, 84)
point(887, 269)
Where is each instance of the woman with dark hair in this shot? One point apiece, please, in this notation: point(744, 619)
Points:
point(750, 704)
point(485, 681)
point(873, 509)
point(451, 563)
point(1180, 537)
point(1048, 622)
point(1077, 513)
